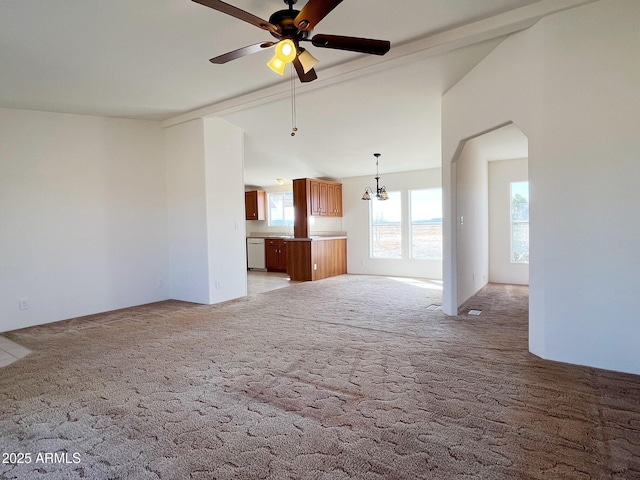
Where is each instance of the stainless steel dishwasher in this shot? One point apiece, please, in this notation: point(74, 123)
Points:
point(255, 254)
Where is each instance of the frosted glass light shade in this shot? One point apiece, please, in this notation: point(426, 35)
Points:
point(307, 60)
point(286, 50)
point(277, 65)
point(285, 53)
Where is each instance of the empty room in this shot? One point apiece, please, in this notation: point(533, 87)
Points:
point(319, 239)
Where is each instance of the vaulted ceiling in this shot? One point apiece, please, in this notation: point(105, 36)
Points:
point(148, 59)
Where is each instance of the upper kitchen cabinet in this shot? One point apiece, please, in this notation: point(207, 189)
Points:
point(312, 197)
point(316, 197)
point(324, 198)
point(255, 205)
point(334, 202)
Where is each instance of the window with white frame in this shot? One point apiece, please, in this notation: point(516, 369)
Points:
point(520, 222)
point(280, 209)
point(386, 227)
point(425, 214)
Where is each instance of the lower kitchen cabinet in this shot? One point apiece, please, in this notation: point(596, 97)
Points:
point(275, 250)
point(315, 259)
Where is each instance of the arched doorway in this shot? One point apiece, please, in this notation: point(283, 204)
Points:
point(487, 171)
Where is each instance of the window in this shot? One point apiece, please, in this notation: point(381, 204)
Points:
point(280, 211)
point(386, 227)
point(520, 222)
point(426, 223)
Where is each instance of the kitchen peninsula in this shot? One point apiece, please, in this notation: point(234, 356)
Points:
point(316, 257)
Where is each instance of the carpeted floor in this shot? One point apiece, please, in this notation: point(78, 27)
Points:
point(348, 377)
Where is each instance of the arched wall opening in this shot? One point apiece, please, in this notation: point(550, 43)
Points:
point(488, 167)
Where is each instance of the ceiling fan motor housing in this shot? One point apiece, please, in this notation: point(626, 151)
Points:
point(284, 20)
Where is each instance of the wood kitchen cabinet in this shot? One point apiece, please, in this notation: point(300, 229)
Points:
point(312, 197)
point(275, 251)
point(334, 199)
point(317, 199)
point(325, 198)
point(255, 205)
point(317, 259)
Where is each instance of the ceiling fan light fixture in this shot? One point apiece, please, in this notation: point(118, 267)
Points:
point(307, 60)
point(277, 65)
point(285, 53)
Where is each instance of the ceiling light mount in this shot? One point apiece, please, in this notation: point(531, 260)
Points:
point(380, 192)
point(284, 19)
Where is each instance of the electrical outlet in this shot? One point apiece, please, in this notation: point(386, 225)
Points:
point(217, 283)
point(160, 283)
point(315, 266)
point(23, 304)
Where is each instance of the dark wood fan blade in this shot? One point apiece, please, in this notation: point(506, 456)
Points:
point(313, 12)
point(241, 52)
point(310, 76)
point(239, 14)
point(353, 44)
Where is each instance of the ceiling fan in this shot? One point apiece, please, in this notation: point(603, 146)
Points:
point(290, 27)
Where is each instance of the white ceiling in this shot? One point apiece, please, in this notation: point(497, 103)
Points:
point(148, 59)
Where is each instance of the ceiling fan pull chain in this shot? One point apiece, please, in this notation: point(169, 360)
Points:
point(294, 128)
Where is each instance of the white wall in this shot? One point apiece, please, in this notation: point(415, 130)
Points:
point(206, 225)
point(188, 250)
point(82, 216)
point(501, 175)
point(472, 221)
point(503, 88)
point(571, 83)
point(356, 223)
point(224, 166)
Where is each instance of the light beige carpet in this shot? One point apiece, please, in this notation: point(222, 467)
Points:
point(348, 377)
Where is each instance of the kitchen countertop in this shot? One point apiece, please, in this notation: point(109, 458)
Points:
point(328, 236)
point(318, 237)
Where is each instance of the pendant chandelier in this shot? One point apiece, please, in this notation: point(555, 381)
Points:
point(380, 192)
